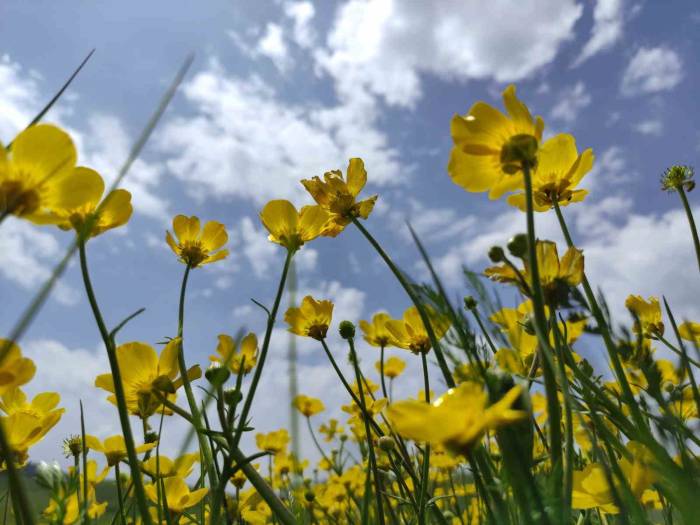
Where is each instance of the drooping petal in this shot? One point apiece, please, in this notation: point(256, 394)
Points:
point(356, 177)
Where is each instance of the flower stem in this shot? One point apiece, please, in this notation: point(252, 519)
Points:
point(118, 389)
point(263, 351)
point(119, 494)
point(425, 477)
point(191, 401)
point(370, 443)
point(691, 221)
point(381, 372)
point(439, 356)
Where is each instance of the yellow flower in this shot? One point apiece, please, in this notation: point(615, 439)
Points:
point(338, 196)
point(393, 367)
point(274, 442)
point(177, 494)
point(144, 373)
point(648, 315)
point(331, 430)
point(73, 506)
point(165, 467)
point(410, 333)
point(195, 246)
point(489, 147)
point(376, 332)
point(27, 423)
point(311, 319)
point(15, 370)
point(238, 360)
point(457, 419)
point(559, 170)
point(553, 271)
point(690, 331)
point(292, 228)
point(309, 406)
point(592, 490)
point(82, 201)
point(114, 447)
point(35, 174)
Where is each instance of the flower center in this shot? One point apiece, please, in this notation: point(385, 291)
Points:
point(193, 254)
point(519, 150)
point(16, 199)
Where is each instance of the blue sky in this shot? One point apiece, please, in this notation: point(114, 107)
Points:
point(285, 90)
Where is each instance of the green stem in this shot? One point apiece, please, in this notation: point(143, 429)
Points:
point(691, 222)
point(425, 477)
point(119, 494)
point(83, 454)
point(381, 372)
point(368, 431)
point(439, 356)
point(263, 351)
point(319, 448)
point(118, 390)
point(191, 401)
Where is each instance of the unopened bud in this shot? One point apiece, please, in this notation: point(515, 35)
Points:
point(347, 330)
point(496, 254)
point(217, 374)
point(387, 443)
point(232, 396)
point(470, 303)
point(517, 245)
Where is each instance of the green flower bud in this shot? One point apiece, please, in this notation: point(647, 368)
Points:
point(470, 303)
point(517, 245)
point(347, 330)
point(496, 254)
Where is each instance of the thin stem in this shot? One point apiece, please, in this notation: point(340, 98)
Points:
point(381, 372)
point(691, 222)
point(83, 454)
point(425, 477)
point(439, 356)
point(118, 390)
point(191, 401)
point(263, 351)
point(119, 494)
point(368, 431)
point(319, 448)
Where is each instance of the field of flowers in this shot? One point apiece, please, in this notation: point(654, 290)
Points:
point(527, 432)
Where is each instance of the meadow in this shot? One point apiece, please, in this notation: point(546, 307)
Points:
point(527, 431)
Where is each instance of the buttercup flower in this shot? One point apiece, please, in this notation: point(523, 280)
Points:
point(144, 373)
point(331, 430)
point(178, 495)
point(410, 333)
point(457, 419)
point(648, 314)
point(114, 447)
point(15, 370)
point(690, 331)
point(393, 367)
point(165, 467)
point(339, 196)
point(238, 360)
point(292, 228)
point(195, 246)
point(311, 319)
point(309, 406)
point(274, 442)
point(489, 147)
point(559, 170)
point(376, 332)
point(81, 200)
point(35, 174)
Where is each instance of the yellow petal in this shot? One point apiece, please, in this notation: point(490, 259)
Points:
point(83, 188)
point(214, 236)
point(116, 210)
point(280, 218)
point(475, 173)
point(356, 176)
point(186, 228)
point(43, 152)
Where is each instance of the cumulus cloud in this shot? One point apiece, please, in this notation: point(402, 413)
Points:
point(301, 13)
point(245, 141)
point(272, 45)
point(608, 23)
point(651, 70)
point(27, 257)
point(384, 46)
point(572, 100)
point(652, 127)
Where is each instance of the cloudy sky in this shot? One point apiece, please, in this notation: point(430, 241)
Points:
point(284, 90)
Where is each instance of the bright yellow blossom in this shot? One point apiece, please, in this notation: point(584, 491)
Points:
point(35, 174)
point(559, 170)
point(592, 490)
point(311, 319)
point(410, 333)
point(177, 494)
point(15, 370)
point(195, 246)
point(83, 200)
point(690, 331)
point(241, 359)
point(457, 419)
point(309, 406)
point(331, 430)
point(489, 147)
point(393, 367)
point(114, 447)
point(165, 467)
point(648, 320)
point(338, 196)
point(73, 503)
point(292, 228)
point(274, 442)
point(376, 332)
point(145, 374)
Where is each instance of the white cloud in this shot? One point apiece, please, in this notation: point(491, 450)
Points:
point(301, 13)
point(28, 254)
point(272, 45)
point(245, 141)
point(610, 168)
point(652, 127)
point(384, 46)
point(608, 22)
point(652, 69)
point(18, 99)
point(572, 100)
